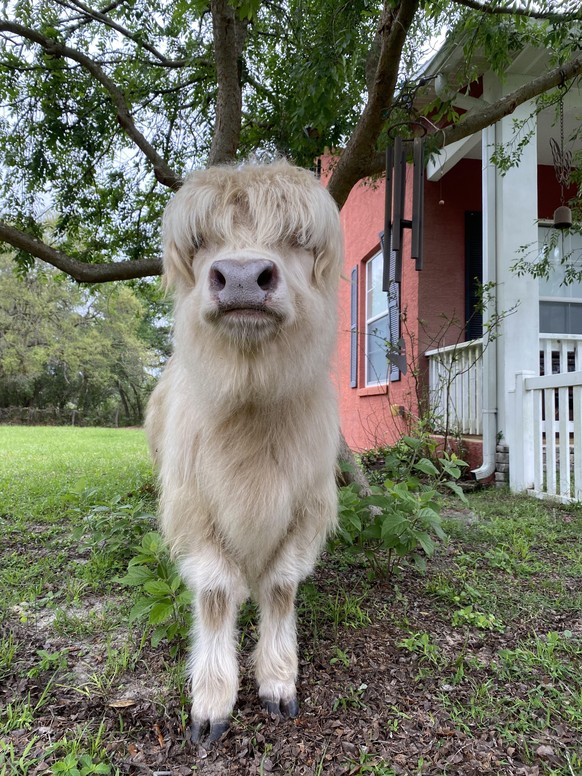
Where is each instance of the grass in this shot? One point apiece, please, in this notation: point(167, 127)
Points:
point(491, 634)
point(48, 477)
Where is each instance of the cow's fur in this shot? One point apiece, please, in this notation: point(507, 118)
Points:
point(243, 423)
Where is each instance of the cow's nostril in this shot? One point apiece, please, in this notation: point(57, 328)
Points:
point(217, 279)
point(266, 279)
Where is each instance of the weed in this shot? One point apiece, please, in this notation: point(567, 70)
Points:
point(401, 516)
point(21, 713)
point(164, 601)
point(82, 765)
point(353, 699)
point(370, 763)
point(12, 762)
point(48, 661)
point(340, 657)
point(470, 616)
point(113, 526)
point(8, 652)
point(421, 644)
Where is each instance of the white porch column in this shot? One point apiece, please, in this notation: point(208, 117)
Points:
point(516, 212)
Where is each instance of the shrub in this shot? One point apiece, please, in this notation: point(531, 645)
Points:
point(400, 518)
point(163, 600)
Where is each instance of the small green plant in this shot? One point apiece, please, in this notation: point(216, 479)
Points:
point(402, 515)
point(368, 762)
point(13, 762)
point(163, 601)
point(340, 657)
point(114, 525)
point(353, 698)
point(82, 765)
point(470, 616)
point(421, 644)
point(8, 651)
point(48, 661)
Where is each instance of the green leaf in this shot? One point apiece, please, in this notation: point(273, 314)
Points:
point(426, 543)
point(136, 575)
point(160, 612)
point(457, 490)
point(158, 635)
point(157, 588)
point(140, 608)
point(427, 467)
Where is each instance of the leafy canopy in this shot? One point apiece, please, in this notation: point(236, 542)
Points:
point(105, 107)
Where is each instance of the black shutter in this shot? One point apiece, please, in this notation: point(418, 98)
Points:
point(354, 329)
point(473, 274)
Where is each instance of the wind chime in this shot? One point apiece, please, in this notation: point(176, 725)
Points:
point(563, 167)
point(395, 223)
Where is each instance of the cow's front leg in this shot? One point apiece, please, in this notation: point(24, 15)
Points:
point(219, 591)
point(276, 653)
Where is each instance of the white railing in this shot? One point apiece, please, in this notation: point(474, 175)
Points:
point(551, 411)
point(455, 387)
point(557, 407)
point(547, 460)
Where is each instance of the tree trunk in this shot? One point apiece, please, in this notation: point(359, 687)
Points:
point(348, 470)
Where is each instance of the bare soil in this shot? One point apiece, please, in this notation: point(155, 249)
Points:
point(367, 704)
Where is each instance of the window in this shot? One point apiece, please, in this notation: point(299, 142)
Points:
point(377, 324)
point(560, 305)
point(375, 330)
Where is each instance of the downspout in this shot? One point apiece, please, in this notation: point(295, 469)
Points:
point(489, 197)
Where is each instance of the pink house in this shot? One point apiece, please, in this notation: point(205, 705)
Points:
point(481, 387)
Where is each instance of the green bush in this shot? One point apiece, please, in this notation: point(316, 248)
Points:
point(400, 518)
point(163, 602)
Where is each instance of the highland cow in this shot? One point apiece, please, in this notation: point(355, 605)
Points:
point(243, 424)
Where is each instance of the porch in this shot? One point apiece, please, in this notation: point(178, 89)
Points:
point(547, 454)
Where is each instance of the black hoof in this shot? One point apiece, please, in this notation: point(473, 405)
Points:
point(206, 733)
point(290, 708)
point(281, 708)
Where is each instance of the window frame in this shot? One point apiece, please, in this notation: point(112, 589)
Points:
point(371, 380)
point(564, 300)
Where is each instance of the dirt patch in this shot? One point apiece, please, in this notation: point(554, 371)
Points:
point(368, 705)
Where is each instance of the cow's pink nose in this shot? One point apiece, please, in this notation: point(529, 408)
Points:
point(242, 283)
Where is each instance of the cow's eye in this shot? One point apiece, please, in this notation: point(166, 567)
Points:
point(299, 241)
point(197, 243)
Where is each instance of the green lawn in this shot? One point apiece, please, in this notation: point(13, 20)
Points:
point(40, 465)
point(473, 667)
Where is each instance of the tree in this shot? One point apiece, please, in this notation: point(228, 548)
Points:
point(64, 348)
point(106, 106)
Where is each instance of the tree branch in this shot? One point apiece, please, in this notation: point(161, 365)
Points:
point(108, 22)
point(490, 114)
point(79, 270)
point(474, 121)
point(163, 172)
point(516, 11)
point(229, 35)
point(353, 164)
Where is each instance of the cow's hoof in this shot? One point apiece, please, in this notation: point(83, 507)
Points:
point(281, 708)
point(206, 733)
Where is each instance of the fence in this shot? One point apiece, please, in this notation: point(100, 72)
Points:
point(456, 387)
point(54, 416)
point(552, 403)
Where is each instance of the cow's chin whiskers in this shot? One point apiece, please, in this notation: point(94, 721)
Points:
point(247, 329)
